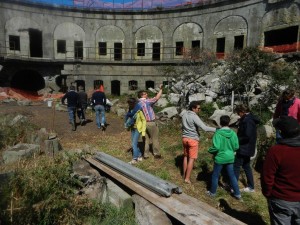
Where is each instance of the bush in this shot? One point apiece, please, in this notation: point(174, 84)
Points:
point(207, 109)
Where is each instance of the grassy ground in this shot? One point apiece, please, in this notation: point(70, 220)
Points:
point(253, 209)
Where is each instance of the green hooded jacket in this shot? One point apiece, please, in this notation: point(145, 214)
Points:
point(225, 143)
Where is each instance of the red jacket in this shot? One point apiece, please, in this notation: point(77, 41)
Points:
point(294, 110)
point(281, 178)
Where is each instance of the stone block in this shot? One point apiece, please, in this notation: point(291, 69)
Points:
point(117, 196)
point(148, 214)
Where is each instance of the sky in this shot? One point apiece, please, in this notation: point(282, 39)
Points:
point(119, 3)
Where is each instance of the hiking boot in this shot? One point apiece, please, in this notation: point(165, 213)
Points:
point(103, 127)
point(73, 126)
point(81, 122)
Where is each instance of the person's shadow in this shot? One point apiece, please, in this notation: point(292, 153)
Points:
point(205, 175)
point(246, 217)
point(179, 163)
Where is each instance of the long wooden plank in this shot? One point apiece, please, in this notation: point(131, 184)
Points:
point(184, 208)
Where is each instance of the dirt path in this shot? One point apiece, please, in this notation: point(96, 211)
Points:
point(57, 121)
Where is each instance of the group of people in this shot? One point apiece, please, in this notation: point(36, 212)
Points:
point(231, 150)
point(77, 102)
point(280, 180)
point(140, 119)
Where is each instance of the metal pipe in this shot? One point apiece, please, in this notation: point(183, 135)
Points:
point(149, 181)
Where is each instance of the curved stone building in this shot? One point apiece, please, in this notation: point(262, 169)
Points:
point(123, 49)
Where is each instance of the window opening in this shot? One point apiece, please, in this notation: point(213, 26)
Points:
point(282, 40)
point(98, 83)
point(156, 51)
point(196, 44)
point(179, 48)
point(238, 42)
point(102, 48)
point(133, 85)
point(78, 49)
point(141, 49)
point(35, 43)
point(149, 84)
point(118, 51)
point(61, 46)
point(14, 43)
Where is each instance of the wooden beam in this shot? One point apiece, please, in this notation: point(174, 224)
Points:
point(184, 208)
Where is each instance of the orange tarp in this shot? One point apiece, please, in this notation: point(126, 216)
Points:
point(7, 92)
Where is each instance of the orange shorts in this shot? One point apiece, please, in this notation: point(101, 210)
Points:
point(190, 147)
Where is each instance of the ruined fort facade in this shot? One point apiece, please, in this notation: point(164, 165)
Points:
point(124, 49)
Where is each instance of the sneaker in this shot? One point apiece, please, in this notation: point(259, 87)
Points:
point(146, 156)
point(103, 127)
point(132, 162)
point(238, 197)
point(140, 159)
point(248, 189)
point(210, 194)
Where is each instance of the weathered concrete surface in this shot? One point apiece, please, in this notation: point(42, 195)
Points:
point(148, 214)
point(204, 25)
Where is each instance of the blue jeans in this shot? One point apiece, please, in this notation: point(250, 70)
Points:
point(232, 178)
point(100, 110)
point(284, 212)
point(244, 161)
point(72, 113)
point(134, 142)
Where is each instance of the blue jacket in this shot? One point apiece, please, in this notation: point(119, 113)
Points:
point(247, 134)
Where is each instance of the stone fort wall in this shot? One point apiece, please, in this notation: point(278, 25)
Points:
point(119, 48)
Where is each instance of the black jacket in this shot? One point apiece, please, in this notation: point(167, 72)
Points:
point(247, 134)
point(72, 98)
point(99, 98)
point(82, 99)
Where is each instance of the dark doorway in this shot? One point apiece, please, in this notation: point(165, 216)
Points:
point(80, 83)
point(238, 42)
point(61, 81)
point(220, 45)
point(78, 49)
point(28, 80)
point(284, 36)
point(220, 48)
point(118, 51)
point(156, 51)
point(115, 87)
point(149, 84)
point(35, 43)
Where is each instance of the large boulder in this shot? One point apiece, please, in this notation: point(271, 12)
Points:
point(20, 151)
